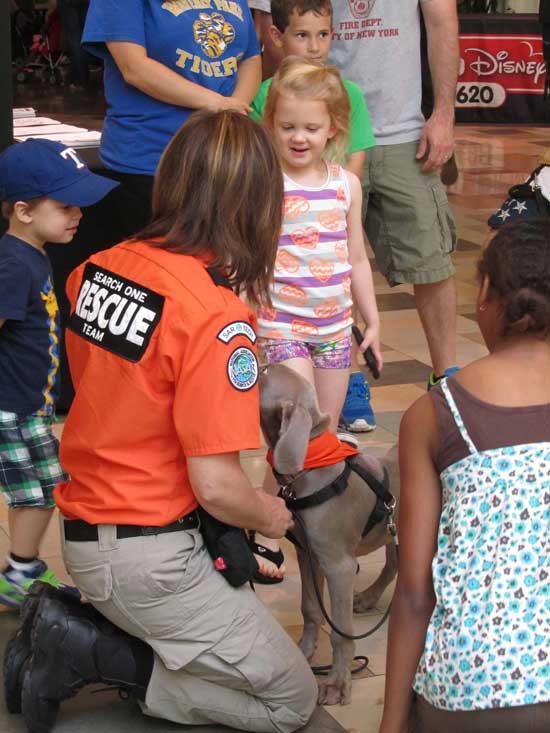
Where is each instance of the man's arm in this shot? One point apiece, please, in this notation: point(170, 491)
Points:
point(437, 139)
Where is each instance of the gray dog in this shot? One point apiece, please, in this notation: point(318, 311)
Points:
point(290, 417)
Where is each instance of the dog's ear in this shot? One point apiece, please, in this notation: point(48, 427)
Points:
point(290, 452)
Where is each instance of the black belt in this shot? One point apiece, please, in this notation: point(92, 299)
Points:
point(77, 530)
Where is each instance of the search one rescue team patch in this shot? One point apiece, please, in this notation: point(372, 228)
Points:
point(116, 314)
point(242, 369)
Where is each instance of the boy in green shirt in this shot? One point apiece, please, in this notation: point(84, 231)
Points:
point(304, 28)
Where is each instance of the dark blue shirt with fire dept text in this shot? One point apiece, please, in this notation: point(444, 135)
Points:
point(29, 338)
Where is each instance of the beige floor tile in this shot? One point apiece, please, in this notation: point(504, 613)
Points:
point(477, 337)
point(391, 355)
point(468, 350)
point(373, 647)
point(51, 543)
point(396, 397)
point(58, 427)
point(365, 712)
point(380, 435)
point(466, 293)
point(465, 326)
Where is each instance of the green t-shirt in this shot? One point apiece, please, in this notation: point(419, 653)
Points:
point(361, 134)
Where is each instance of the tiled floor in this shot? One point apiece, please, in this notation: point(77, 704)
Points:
point(491, 159)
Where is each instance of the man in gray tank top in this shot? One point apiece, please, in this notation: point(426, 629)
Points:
point(407, 216)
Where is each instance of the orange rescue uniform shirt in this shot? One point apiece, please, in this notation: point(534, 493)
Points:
point(164, 366)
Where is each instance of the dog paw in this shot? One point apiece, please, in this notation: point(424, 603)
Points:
point(364, 601)
point(335, 692)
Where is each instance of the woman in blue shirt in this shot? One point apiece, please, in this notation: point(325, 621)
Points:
point(163, 61)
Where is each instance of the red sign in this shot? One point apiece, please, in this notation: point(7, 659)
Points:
point(494, 66)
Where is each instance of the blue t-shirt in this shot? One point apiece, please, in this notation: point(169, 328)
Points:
point(29, 339)
point(202, 40)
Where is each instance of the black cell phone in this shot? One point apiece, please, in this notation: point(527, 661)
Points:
point(369, 356)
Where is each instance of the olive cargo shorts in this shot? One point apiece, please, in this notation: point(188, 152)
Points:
point(407, 217)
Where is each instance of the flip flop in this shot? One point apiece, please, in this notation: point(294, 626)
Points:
point(277, 558)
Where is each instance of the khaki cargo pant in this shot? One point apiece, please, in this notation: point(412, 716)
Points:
point(220, 657)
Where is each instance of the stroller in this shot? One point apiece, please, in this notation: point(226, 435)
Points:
point(43, 58)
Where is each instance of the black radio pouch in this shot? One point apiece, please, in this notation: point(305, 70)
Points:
point(229, 549)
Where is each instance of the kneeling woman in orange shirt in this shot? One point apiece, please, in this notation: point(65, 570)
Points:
point(163, 357)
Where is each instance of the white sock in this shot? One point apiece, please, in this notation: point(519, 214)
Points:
point(23, 567)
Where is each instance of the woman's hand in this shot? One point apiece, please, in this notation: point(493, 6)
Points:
point(279, 519)
point(235, 105)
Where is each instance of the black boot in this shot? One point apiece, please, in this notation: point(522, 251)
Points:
point(18, 648)
point(72, 647)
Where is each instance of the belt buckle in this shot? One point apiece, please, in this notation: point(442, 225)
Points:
point(147, 531)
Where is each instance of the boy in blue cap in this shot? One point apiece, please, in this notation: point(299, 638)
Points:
point(43, 184)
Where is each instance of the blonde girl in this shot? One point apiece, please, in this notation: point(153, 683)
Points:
point(321, 262)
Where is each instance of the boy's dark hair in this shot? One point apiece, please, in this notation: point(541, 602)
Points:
point(218, 191)
point(517, 263)
point(281, 10)
point(8, 207)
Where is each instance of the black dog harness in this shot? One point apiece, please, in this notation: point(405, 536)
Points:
point(385, 501)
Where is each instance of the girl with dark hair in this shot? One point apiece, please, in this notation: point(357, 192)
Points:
point(163, 357)
point(469, 630)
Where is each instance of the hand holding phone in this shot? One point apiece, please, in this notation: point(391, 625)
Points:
point(367, 354)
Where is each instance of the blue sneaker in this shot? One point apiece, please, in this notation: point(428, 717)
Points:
point(14, 584)
point(432, 381)
point(357, 411)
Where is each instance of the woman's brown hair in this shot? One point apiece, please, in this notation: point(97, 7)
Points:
point(517, 264)
point(219, 189)
point(307, 79)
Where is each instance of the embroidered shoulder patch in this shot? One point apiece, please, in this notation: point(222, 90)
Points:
point(242, 369)
point(237, 328)
point(116, 314)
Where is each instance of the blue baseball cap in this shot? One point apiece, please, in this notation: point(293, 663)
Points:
point(38, 167)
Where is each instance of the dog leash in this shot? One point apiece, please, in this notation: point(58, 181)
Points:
point(324, 611)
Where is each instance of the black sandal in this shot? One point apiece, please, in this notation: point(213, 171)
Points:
point(277, 558)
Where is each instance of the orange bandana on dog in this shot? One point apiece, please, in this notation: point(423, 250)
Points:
point(325, 450)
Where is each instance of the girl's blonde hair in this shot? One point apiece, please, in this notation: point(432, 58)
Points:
point(311, 80)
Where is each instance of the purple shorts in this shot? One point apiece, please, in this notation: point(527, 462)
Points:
point(325, 355)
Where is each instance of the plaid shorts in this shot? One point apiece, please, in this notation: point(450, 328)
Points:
point(29, 462)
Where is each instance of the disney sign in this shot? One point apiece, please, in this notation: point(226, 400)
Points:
point(495, 66)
